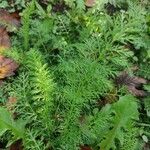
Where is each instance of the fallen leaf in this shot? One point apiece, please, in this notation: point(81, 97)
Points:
point(8, 23)
point(110, 97)
point(16, 146)
point(9, 20)
point(16, 16)
point(146, 146)
point(133, 84)
point(7, 67)
point(136, 92)
point(4, 39)
point(11, 103)
point(90, 3)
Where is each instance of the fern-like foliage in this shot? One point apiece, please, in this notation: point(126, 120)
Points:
point(42, 85)
point(26, 20)
point(21, 89)
point(144, 70)
point(130, 139)
point(96, 125)
point(147, 106)
point(79, 90)
point(31, 141)
point(131, 25)
point(26, 110)
point(34, 91)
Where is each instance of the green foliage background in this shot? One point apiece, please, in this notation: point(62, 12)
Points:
point(68, 60)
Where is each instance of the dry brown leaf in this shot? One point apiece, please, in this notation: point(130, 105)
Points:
point(10, 104)
point(7, 67)
point(90, 3)
point(4, 39)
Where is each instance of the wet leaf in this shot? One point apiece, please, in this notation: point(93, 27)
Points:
point(7, 67)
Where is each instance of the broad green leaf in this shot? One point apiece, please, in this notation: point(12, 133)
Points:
point(7, 123)
point(125, 110)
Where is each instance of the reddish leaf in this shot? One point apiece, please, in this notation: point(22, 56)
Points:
point(85, 148)
point(16, 16)
point(133, 84)
point(90, 3)
point(8, 19)
point(8, 22)
point(136, 92)
point(7, 67)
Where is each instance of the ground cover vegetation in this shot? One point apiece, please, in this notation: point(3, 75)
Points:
point(75, 75)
